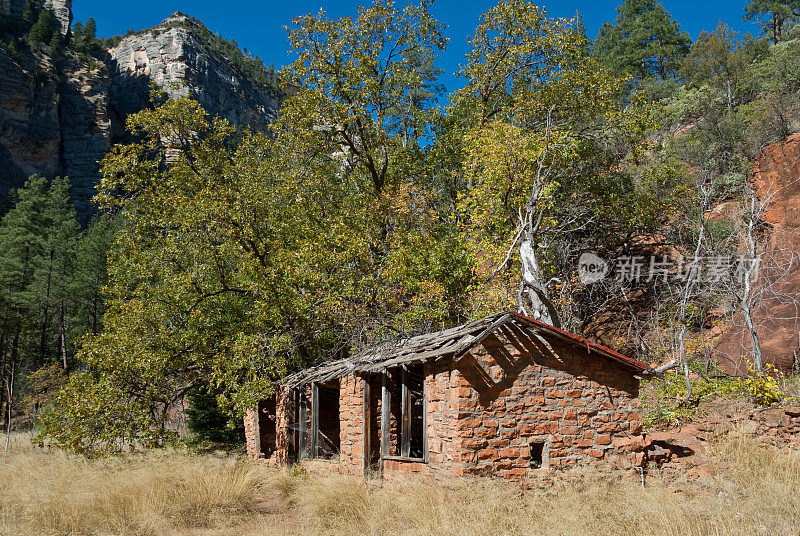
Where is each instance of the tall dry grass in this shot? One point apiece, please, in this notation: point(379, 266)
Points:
point(53, 493)
point(755, 492)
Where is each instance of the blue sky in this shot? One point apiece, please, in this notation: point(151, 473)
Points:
point(258, 25)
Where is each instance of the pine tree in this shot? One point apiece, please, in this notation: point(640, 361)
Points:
point(42, 31)
point(90, 30)
point(777, 12)
point(90, 274)
point(644, 41)
point(30, 14)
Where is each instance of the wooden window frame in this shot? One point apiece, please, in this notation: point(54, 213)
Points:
point(404, 418)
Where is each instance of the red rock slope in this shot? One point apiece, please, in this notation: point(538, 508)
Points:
point(776, 173)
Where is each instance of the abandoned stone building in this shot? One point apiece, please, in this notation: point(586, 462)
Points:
point(504, 396)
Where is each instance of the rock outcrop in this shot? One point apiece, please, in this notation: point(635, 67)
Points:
point(61, 9)
point(59, 117)
point(174, 56)
point(776, 180)
point(30, 130)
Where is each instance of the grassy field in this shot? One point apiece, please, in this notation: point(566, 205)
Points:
point(177, 493)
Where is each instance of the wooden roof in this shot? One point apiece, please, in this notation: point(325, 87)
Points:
point(453, 342)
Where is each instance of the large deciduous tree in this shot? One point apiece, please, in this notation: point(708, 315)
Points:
point(244, 255)
point(547, 136)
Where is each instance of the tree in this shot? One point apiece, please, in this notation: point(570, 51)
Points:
point(37, 240)
point(776, 12)
point(716, 59)
point(42, 31)
point(241, 255)
point(643, 42)
point(544, 148)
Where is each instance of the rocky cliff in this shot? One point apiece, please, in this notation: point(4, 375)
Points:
point(776, 180)
point(59, 116)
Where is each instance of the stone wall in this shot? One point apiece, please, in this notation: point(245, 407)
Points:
point(485, 411)
point(351, 431)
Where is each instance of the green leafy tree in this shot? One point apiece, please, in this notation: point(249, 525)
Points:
point(644, 41)
point(240, 256)
point(545, 154)
point(773, 14)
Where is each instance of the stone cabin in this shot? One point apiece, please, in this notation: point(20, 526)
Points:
point(505, 396)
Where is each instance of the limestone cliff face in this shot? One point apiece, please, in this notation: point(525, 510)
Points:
point(30, 132)
point(172, 54)
point(62, 9)
point(60, 117)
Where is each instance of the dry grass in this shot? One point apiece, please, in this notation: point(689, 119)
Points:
point(757, 493)
point(52, 493)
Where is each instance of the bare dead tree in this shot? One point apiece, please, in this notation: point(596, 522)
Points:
point(764, 265)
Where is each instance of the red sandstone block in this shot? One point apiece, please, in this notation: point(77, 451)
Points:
point(574, 393)
point(468, 404)
point(554, 393)
point(526, 429)
point(503, 465)
point(543, 428)
point(606, 405)
point(498, 443)
point(603, 439)
point(468, 443)
point(509, 422)
point(490, 423)
point(534, 400)
point(594, 453)
point(487, 454)
point(584, 443)
point(570, 415)
point(465, 457)
point(549, 382)
point(636, 427)
point(608, 427)
point(515, 473)
point(470, 423)
point(486, 433)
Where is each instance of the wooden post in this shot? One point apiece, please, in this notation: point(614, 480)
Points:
point(314, 420)
point(302, 453)
point(405, 434)
point(424, 419)
point(257, 430)
point(385, 414)
point(367, 428)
